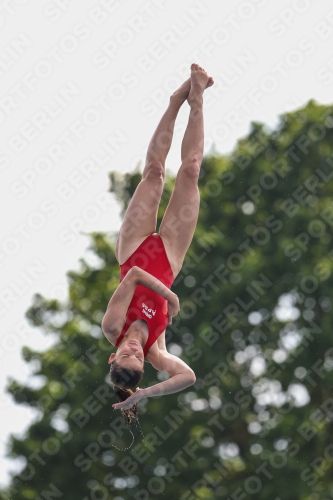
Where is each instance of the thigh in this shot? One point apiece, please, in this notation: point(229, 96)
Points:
point(140, 218)
point(180, 220)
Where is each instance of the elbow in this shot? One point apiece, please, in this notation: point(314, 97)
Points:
point(104, 325)
point(192, 378)
point(107, 328)
point(133, 273)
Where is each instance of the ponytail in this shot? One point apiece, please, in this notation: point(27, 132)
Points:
point(123, 379)
point(132, 413)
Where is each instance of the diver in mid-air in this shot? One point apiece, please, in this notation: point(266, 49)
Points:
point(143, 304)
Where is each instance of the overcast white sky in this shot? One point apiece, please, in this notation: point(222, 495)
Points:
point(83, 85)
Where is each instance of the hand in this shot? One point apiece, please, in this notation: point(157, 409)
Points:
point(173, 307)
point(132, 400)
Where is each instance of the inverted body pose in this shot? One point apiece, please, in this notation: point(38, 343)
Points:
point(143, 304)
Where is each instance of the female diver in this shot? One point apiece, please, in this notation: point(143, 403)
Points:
point(143, 304)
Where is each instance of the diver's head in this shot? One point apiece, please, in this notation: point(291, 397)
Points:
point(127, 364)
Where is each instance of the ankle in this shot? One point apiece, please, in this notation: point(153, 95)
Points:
point(196, 103)
point(177, 100)
point(196, 106)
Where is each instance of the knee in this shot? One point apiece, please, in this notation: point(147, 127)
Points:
point(154, 170)
point(191, 169)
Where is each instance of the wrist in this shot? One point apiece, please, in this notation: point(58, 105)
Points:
point(135, 274)
point(143, 393)
point(170, 295)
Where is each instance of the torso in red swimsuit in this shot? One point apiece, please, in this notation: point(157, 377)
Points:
point(146, 304)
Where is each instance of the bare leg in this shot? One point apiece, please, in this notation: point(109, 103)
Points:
point(180, 219)
point(141, 215)
point(160, 143)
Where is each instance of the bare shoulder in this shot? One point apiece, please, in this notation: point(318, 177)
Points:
point(161, 341)
point(163, 361)
point(112, 337)
point(154, 350)
point(153, 354)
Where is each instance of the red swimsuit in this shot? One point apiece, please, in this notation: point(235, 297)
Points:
point(146, 304)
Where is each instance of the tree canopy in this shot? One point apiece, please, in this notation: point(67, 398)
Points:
point(255, 326)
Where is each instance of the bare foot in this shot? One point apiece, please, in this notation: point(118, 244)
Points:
point(184, 90)
point(199, 82)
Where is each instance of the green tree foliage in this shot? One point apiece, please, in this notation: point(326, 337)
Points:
point(255, 326)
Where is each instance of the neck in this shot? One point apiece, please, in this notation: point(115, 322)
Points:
point(137, 331)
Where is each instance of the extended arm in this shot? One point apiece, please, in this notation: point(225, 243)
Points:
point(115, 315)
point(174, 384)
point(181, 377)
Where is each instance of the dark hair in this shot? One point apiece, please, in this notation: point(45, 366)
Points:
point(123, 379)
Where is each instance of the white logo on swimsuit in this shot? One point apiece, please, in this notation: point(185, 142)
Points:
point(148, 311)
